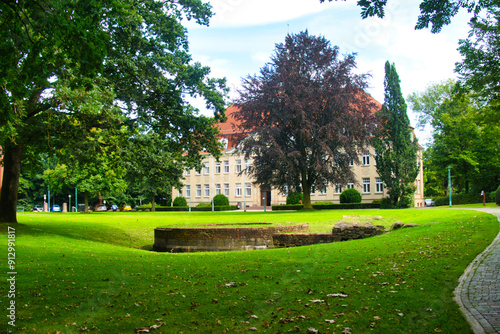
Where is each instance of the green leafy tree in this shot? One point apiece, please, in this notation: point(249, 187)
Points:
point(134, 52)
point(153, 167)
point(308, 114)
point(396, 149)
point(437, 13)
point(481, 60)
point(462, 138)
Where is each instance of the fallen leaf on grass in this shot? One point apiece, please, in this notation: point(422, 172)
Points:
point(341, 295)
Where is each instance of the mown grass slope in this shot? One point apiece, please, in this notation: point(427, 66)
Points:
point(94, 273)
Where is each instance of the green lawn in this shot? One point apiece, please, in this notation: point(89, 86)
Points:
point(95, 273)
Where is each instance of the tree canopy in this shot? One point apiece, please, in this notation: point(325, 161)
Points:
point(462, 139)
point(481, 60)
point(133, 56)
point(308, 116)
point(437, 13)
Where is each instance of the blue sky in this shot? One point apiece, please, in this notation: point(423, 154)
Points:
point(243, 33)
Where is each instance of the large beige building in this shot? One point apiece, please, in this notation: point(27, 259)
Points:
point(225, 177)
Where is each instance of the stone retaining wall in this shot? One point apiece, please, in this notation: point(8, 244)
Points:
point(219, 239)
point(301, 239)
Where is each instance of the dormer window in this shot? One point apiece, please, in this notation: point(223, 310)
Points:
point(224, 142)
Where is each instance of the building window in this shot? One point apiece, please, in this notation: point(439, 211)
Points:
point(226, 166)
point(285, 190)
point(313, 189)
point(217, 189)
point(238, 189)
point(198, 172)
point(238, 166)
point(226, 189)
point(206, 168)
point(207, 190)
point(379, 185)
point(350, 185)
point(338, 188)
point(180, 192)
point(188, 173)
point(188, 191)
point(217, 168)
point(351, 162)
point(366, 158)
point(247, 165)
point(198, 190)
point(366, 185)
point(248, 189)
point(322, 191)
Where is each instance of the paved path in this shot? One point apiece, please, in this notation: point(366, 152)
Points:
point(478, 293)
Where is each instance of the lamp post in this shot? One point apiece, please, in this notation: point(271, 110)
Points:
point(449, 183)
point(44, 202)
point(69, 207)
point(76, 199)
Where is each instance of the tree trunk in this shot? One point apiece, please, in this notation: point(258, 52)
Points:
point(10, 184)
point(306, 188)
point(153, 204)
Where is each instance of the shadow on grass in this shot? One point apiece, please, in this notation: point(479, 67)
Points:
point(90, 232)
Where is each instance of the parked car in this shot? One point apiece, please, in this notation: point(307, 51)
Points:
point(56, 208)
point(37, 208)
point(126, 208)
point(429, 202)
point(102, 208)
point(114, 207)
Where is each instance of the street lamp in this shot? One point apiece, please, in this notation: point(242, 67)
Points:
point(69, 207)
point(449, 183)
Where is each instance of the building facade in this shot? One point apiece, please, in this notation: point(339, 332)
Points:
point(225, 177)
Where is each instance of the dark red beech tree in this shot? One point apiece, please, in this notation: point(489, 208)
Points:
point(307, 115)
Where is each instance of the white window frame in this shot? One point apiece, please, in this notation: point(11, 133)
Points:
point(198, 190)
point(322, 191)
point(206, 168)
point(188, 173)
point(226, 189)
point(180, 192)
point(366, 158)
point(217, 189)
point(217, 167)
point(379, 185)
point(207, 190)
point(188, 191)
point(226, 166)
point(237, 190)
point(338, 188)
point(237, 166)
point(248, 189)
point(350, 185)
point(366, 185)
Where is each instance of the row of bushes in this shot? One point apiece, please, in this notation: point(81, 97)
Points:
point(465, 199)
point(342, 206)
point(347, 196)
point(199, 208)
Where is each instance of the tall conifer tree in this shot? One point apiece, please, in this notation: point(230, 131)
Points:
point(396, 149)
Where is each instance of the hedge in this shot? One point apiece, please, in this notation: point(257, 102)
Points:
point(346, 206)
point(462, 199)
point(208, 208)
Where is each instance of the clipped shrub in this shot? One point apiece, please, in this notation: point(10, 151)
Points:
point(180, 201)
point(497, 196)
point(323, 203)
point(220, 200)
point(350, 196)
point(294, 197)
point(204, 205)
